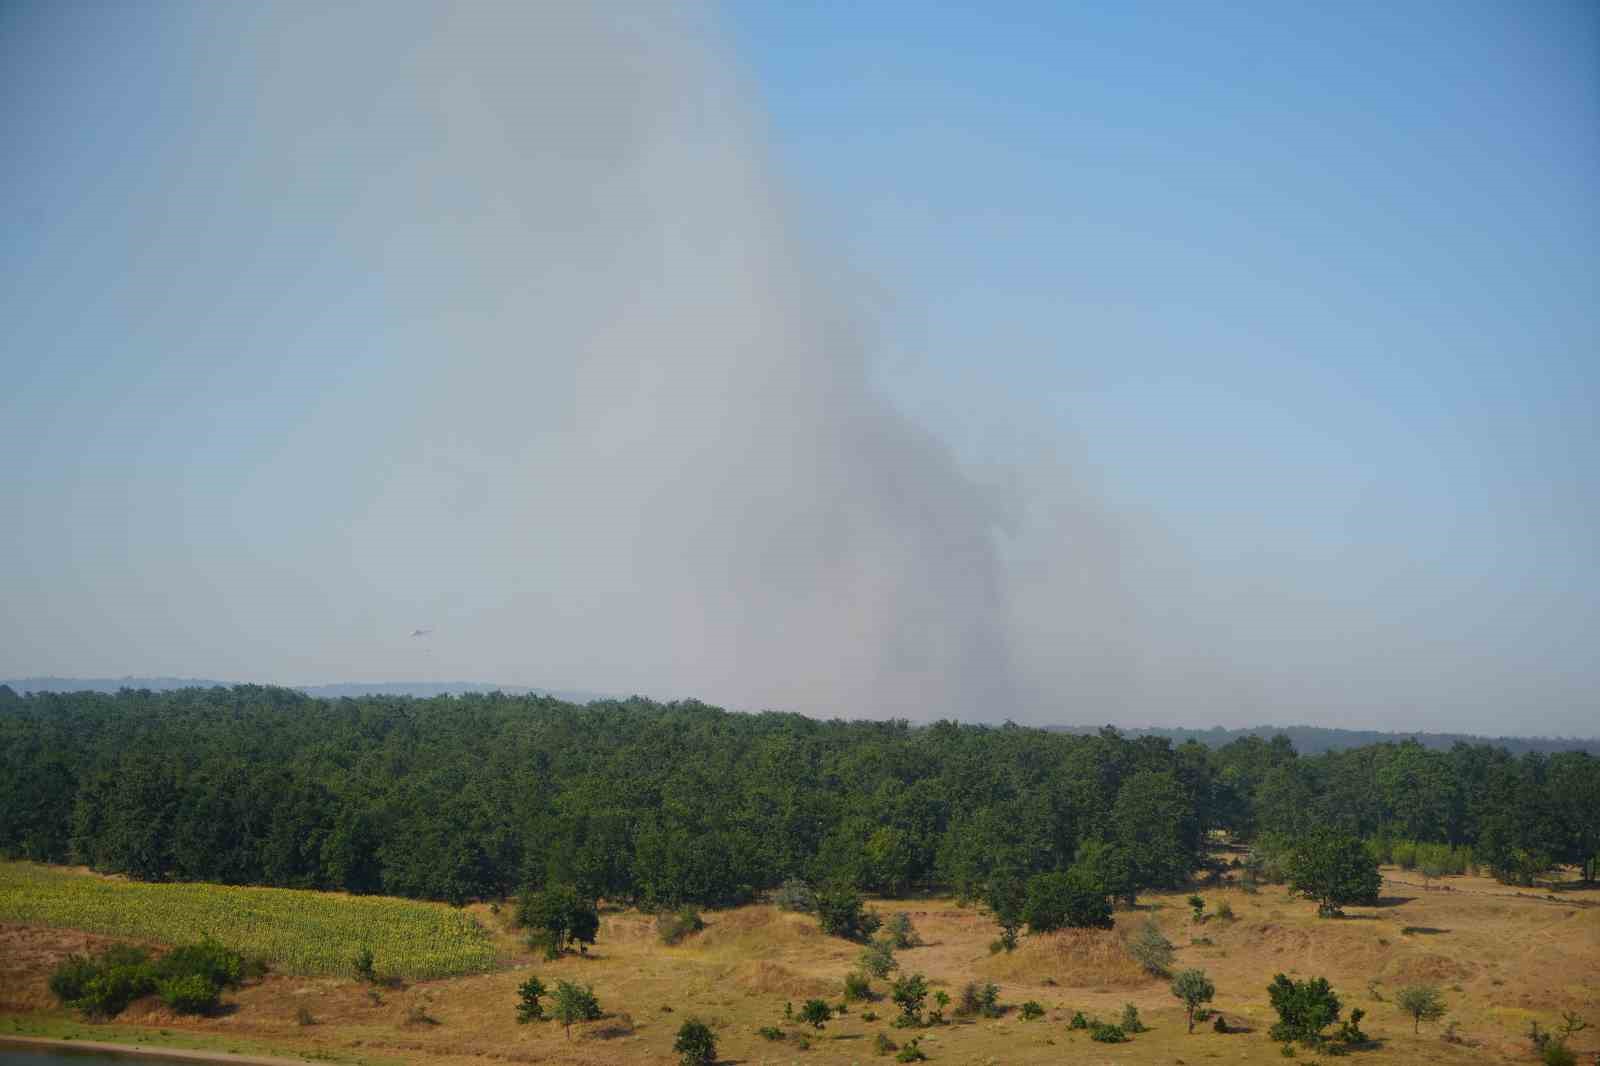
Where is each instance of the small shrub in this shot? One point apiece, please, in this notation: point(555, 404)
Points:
point(878, 959)
point(857, 987)
point(1130, 1019)
point(696, 1044)
point(71, 978)
point(375, 996)
point(304, 1016)
point(418, 1015)
point(900, 933)
point(1220, 1025)
point(189, 994)
point(1201, 942)
point(1078, 1021)
point(816, 1012)
point(574, 1003)
point(1152, 950)
point(364, 966)
point(672, 927)
point(909, 992)
point(1557, 1053)
point(1225, 912)
point(770, 1032)
point(1106, 1033)
point(1350, 1029)
point(941, 1000)
point(869, 1015)
point(1197, 905)
point(912, 1052)
point(882, 1045)
point(529, 1009)
point(1032, 1009)
point(207, 960)
point(840, 913)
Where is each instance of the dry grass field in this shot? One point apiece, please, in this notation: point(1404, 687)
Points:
point(1501, 958)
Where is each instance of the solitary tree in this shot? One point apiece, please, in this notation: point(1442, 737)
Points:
point(696, 1044)
point(1305, 1008)
point(1422, 1002)
point(1194, 988)
point(557, 916)
point(816, 1012)
point(530, 1009)
point(1334, 869)
point(909, 992)
point(840, 913)
point(575, 1004)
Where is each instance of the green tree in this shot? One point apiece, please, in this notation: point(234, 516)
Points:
point(529, 1009)
point(1193, 987)
point(1422, 1002)
point(574, 1003)
point(1059, 900)
point(909, 992)
point(1335, 869)
point(816, 1012)
point(840, 913)
point(696, 1045)
point(1305, 1009)
point(558, 916)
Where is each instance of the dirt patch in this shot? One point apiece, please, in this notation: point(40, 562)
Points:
point(1429, 969)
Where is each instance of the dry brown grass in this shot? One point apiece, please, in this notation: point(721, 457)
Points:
point(1500, 959)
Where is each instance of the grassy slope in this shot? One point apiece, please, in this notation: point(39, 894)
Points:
point(1500, 958)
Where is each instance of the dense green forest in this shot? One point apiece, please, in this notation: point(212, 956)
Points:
point(474, 796)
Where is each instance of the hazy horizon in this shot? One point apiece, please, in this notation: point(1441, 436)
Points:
point(1154, 366)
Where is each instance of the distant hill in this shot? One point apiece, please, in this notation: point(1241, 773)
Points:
point(1314, 740)
point(419, 689)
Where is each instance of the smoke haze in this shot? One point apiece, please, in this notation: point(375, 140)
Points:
point(494, 321)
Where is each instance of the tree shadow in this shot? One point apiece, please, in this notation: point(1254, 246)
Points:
point(1392, 901)
point(1424, 930)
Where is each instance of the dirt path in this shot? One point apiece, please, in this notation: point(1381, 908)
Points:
point(146, 1051)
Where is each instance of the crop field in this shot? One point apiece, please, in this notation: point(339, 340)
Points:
point(296, 932)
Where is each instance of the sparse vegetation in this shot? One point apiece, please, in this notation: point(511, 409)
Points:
point(1130, 1021)
point(673, 926)
point(878, 960)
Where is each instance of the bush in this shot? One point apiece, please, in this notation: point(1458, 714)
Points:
point(575, 1003)
point(1106, 1033)
point(979, 999)
point(912, 1052)
point(364, 966)
point(908, 993)
point(1152, 950)
point(529, 1009)
point(71, 979)
point(190, 994)
point(857, 987)
point(113, 988)
point(1225, 912)
point(673, 926)
point(1557, 1053)
point(882, 1045)
point(878, 959)
point(696, 1045)
point(1032, 1009)
point(557, 917)
point(941, 1000)
point(795, 895)
point(303, 1015)
point(1130, 1019)
point(1305, 1008)
point(1220, 1024)
point(900, 933)
point(770, 1032)
point(1078, 1021)
point(840, 913)
point(207, 960)
point(1197, 905)
point(816, 1012)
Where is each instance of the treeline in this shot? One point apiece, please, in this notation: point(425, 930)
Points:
point(479, 795)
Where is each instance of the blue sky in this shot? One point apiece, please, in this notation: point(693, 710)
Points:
point(1254, 346)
